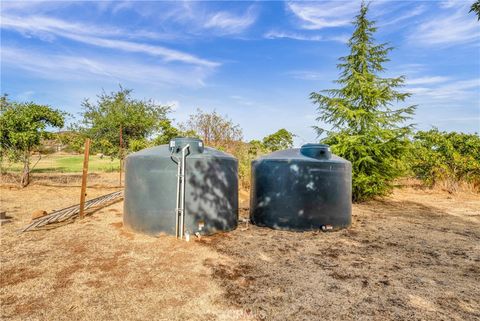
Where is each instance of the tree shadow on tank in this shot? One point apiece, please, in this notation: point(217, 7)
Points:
point(213, 193)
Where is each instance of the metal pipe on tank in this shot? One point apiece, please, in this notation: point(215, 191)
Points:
point(177, 205)
point(182, 191)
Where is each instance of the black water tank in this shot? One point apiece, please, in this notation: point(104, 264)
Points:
point(301, 189)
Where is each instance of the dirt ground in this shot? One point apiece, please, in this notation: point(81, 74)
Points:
point(412, 256)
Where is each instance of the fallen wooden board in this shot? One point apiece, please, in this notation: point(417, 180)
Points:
point(71, 211)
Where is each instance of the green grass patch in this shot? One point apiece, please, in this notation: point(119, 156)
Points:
point(67, 164)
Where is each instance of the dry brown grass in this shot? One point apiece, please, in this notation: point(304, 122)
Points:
point(94, 269)
point(414, 255)
point(450, 186)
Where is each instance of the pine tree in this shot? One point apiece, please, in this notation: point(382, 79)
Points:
point(475, 8)
point(365, 127)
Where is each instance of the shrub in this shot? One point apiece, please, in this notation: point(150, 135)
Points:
point(446, 157)
point(71, 140)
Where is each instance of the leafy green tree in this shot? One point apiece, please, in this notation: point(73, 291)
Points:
point(245, 153)
point(118, 112)
point(22, 128)
point(168, 132)
point(282, 139)
point(136, 145)
point(476, 9)
point(256, 147)
point(365, 128)
point(72, 140)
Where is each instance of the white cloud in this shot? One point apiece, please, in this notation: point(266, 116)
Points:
point(309, 75)
point(243, 101)
point(122, 5)
point(39, 24)
point(446, 102)
point(459, 119)
point(227, 23)
point(291, 35)
point(426, 80)
point(448, 92)
point(32, 6)
point(166, 53)
point(74, 67)
point(177, 20)
point(319, 15)
point(186, 18)
point(410, 14)
point(451, 3)
point(304, 37)
point(96, 36)
point(454, 27)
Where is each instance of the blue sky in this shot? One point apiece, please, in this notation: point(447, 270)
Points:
point(257, 62)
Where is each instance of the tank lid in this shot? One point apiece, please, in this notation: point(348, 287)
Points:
point(195, 145)
point(318, 151)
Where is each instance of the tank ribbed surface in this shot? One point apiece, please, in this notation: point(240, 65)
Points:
point(301, 189)
point(211, 189)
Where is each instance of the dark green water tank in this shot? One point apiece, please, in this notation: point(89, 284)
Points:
point(301, 189)
point(211, 189)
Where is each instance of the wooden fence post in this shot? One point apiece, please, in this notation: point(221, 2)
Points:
point(84, 177)
point(121, 155)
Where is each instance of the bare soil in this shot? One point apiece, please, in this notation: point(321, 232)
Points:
point(412, 256)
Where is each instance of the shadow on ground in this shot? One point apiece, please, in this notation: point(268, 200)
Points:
point(400, 260)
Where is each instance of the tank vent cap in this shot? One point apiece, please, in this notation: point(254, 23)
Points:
point(196, 145)
point(318, 151)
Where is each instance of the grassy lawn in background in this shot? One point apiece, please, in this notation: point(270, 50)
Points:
point(67, 164)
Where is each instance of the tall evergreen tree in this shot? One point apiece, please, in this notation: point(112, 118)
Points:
point(364, 125)
point(475, 8)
